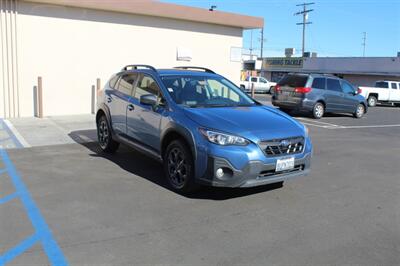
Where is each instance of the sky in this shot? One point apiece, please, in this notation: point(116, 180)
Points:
point(336, 30)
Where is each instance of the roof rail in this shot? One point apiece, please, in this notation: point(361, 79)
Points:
point(196, 68)
point(137, 66)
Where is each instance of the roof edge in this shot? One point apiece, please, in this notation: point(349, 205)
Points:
point(164, 10)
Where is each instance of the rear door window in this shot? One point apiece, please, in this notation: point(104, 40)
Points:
point(382, 84)
point(293, 81)
point(394, 86)
point(319, 83)
point(253, 79)
point(113, 81)
point(126, 83)
point(334, 85)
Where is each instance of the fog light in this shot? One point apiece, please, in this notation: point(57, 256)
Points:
point(219, 173)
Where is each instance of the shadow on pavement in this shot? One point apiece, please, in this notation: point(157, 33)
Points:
point(138, 164)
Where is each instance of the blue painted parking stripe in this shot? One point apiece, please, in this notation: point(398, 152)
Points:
point(50, 246)
point(8, 198)
point(19, 249)
point(11, 135)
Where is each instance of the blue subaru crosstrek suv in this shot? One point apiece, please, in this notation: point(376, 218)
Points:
point(203, 128)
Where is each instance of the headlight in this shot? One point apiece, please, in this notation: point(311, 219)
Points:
point(222, 138)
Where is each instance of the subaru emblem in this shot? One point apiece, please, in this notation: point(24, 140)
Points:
point(284, 143)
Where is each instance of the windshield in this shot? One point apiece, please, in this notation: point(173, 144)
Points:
point(205, 91)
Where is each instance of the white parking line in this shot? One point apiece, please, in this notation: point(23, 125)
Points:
point(371, 126)
point(316, 123)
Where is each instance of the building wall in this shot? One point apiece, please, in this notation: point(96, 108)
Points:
point(71, 47)
point(367, 80)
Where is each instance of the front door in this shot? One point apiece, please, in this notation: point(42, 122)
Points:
point(350, 101)
point(143, 123)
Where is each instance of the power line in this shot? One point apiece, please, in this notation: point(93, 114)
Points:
point(364, 42)
point(305, 22)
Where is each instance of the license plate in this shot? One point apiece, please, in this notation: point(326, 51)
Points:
point(284, 164)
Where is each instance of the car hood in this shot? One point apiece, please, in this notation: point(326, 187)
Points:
point(254, 123)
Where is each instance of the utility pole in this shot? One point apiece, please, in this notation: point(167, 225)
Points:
point(262, 40)
point(364, 42)
point(305, 22)
point(251, 44)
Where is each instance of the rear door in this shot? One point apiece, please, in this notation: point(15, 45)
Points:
point(118, 99)
point(334, 95)
point(395, 91)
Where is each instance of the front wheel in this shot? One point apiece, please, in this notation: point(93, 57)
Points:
point(360, 111)
point(318, 110)
point(104, 136)
point(179, 167)
point(372, 101)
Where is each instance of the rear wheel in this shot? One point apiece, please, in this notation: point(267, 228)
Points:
point(104, 136)
point(179, 167)
point(360, 111)
point(318, 110)
point(372, 101)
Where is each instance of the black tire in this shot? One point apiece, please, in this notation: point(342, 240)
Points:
point(372, 101)
point(360, 111)
point(318, 110)
point(104, 136)
point(179, 167)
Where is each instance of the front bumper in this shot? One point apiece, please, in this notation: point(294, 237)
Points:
point(254, 173)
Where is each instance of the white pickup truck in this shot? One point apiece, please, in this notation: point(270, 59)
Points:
point(261, 84)
point(383, 92)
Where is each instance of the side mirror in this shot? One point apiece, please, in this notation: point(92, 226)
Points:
point(148, 99)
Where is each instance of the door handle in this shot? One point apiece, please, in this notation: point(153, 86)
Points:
point(109, 99)
point(131, 107)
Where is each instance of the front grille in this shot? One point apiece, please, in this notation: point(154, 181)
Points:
point(282, 146)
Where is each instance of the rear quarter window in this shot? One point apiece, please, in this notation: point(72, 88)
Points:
point(319, 83)
point(293, 81)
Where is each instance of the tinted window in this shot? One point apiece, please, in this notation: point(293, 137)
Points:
point(394, 86)
point(293, 81)
point(146, 85)
point(205, 91)
point(113, 81)
point(347, 87)
point(253, 79)
point(382, 84)
point(126, 83)
point(319, 83)
point(263, 80)
point(334, 85)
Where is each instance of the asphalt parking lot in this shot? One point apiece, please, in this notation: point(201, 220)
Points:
point(85, 207)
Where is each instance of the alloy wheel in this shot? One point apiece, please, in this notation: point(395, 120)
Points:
point(360, 110)
point(319, 111)
point(103, 133)
point(178, 168)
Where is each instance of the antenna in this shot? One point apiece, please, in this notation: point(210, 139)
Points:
point(305, 22)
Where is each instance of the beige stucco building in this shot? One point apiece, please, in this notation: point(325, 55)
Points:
point(71, 43)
